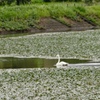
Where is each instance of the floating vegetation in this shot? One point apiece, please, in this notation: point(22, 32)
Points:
point(50, 84)
point(83, 44)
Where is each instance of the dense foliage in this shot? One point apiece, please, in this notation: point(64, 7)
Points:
point(26, 16)
point(9, 2)
point(61, 0)
point(89, 1)
point(18, 2)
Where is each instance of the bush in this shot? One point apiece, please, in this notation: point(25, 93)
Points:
point(9, 2)
point(47, 0)
point(36, 1)
point(64, 0)
point(18, 2)
point(88, 2)
point(4, 2)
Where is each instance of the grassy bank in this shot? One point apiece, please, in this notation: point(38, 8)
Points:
point(27, 16)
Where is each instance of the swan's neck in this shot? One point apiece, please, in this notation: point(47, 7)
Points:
point(58, 59)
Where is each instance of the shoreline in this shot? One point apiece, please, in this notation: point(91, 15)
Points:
point(35, 31)
point(32, 31)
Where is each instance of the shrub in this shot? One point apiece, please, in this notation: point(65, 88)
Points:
point(88, 2)
point(3, 2)
point(36, 1)
point(46, 0)
point(65, 0)
point(18, 2)
point(9, 2)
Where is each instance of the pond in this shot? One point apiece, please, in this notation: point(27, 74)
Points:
point(14, 62)
point(21, 50)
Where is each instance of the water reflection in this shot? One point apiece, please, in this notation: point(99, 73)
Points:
point(12, 62)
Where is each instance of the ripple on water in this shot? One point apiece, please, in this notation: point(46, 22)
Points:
point(35, 62)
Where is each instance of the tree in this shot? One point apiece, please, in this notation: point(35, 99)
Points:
point(18, 2)
point(4, 2)
point(47, 0)
point(88, 2)
point(9, 2)
point(97, 0)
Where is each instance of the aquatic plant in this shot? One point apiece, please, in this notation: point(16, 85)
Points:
point(83, 44)
point(50, 84)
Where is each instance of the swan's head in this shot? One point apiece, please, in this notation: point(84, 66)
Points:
point(57, 55)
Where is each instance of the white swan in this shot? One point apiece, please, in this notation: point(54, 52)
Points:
point(61, 64)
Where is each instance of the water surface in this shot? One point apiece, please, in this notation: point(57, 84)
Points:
point(14, 62)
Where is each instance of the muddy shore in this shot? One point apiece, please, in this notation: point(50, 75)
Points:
point(53, 25)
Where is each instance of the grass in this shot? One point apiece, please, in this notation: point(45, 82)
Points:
point(50, 84)
point(26, 16)
point(91, 13)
